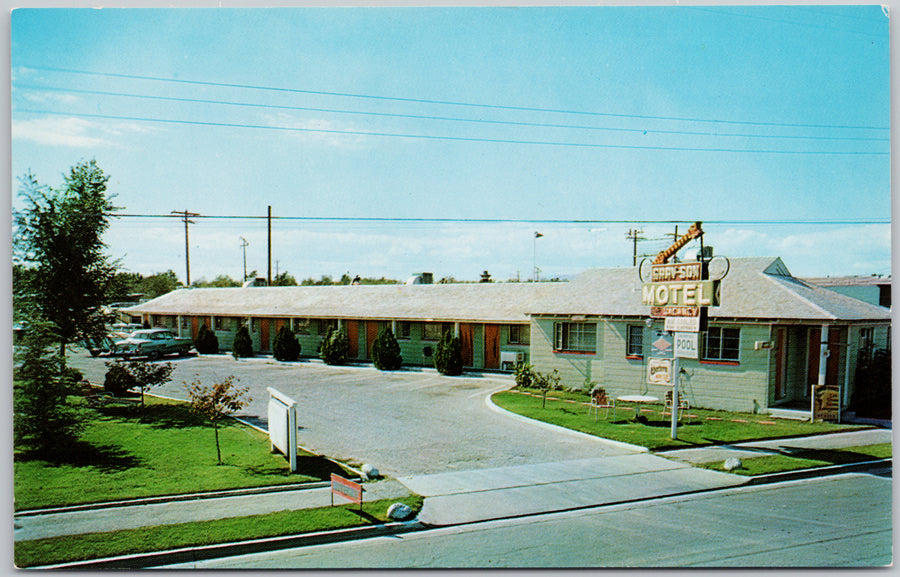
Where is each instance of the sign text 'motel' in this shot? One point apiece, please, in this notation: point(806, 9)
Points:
point(681, 294)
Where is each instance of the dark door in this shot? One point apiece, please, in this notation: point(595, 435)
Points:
point(466, 343)
point(492, 346)
point(353, 337)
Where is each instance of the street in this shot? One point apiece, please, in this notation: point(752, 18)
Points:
point(840, 521)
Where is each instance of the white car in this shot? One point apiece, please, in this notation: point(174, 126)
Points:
point(153, 343)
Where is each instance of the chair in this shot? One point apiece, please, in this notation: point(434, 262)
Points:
point(683, 404)
point(599, 400)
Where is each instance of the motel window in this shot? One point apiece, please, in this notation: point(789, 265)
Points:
point(866, 343)
point(635, 346)
point(575, 337)
point(325, 325)
point(185, 322)
point(219, 324)
point(519, 334)
point(404, 330)
point(434, 331)
point(300, 326)
point(722, 344)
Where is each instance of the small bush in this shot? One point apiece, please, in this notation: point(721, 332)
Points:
point(335, 347)
point(386, 351)
point(448, 358)
point(243, 344)
point(207, 343)
point(524, 375)
point(872, 397)
point(286, 347)
point(118, 380)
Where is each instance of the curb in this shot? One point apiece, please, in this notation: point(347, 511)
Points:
point(174, 498)
point(195, 554)
point(817, 472)
point(558, 429)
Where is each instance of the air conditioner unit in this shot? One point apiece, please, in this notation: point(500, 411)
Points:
point(509, 359)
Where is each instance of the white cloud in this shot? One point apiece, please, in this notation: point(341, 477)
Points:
point(74, 132)
point(316, 130)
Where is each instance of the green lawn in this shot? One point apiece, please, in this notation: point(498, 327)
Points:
point(126, 453)
point(707, 428)
point(165, 537)
point(806, 459)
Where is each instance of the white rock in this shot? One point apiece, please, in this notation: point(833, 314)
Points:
point(733, 463)
point(370, 472)
point(399, 511)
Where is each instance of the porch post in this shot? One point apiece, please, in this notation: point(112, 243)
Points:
point(823, 356)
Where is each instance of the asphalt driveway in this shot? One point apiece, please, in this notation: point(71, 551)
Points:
point(408, 422)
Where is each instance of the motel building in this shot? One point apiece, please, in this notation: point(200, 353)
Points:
point(770, 338)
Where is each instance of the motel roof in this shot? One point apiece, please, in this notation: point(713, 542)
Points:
point(755, 288)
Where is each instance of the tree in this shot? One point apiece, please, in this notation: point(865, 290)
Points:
point(59, 236)
point(284, 279)
point(243, 344)
point(386, 351)
point(448, 358)
point(121, 377)
point(335, 347)
point(221, 281)
point(42, 419)
point(207, 342)
point(286, 347)
point(159, 284)
point(217, 402)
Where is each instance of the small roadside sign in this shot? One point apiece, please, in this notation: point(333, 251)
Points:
point(687, 345)
point(659, 371)
point(662, 345)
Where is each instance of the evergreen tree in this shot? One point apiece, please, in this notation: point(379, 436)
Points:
point(286, 346)
point(335, 347)
point(243, 344)
point(386, 351)
point(207, 342)
point(448, 358)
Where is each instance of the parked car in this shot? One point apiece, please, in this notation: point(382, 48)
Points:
point(101, 346)
point(153, 343)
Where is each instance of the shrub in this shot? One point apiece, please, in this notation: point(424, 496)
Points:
point(118, 380)
point(386, 351)
point(243, 344)
point(207, 343)
point(335, 347)
point(448, 358)
point(286, 346)
point(872, 397)
point(524, 375)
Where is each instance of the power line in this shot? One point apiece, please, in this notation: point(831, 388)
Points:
point(434, 101)
point(443, 118)
point(455, 138)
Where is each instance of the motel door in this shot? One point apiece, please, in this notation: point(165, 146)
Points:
point(371, 335)
point(353, 337)
point(492, 346)
point(466, 343)
point(781, 346)
point(264, 334)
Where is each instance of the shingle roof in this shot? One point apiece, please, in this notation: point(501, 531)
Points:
point(755, 288)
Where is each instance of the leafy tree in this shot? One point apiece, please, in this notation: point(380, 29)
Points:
point(284, 279)
point(221, 281)
point(159, 284)
point(217, 402)
point(121, 377)
point(207, 342)
point(59, 236)
point(286, 346)
point(448, 358)
point(335, 347)
point(243, 344)
point(386, 351)
point(42, 419)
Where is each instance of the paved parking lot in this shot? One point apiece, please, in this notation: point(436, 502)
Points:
point(406, 422)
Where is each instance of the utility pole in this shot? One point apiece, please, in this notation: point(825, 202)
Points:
point(269, 272)
point(244, 245)
point(634, 235)
point(185, 216)
point(537, 271)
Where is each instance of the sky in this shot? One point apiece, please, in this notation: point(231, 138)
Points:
point(390, 140)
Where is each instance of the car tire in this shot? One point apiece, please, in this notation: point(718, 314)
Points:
point(154, 356)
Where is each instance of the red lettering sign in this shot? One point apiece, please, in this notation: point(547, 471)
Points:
point(346, 489)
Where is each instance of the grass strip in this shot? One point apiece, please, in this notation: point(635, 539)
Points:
point(126, 453)
point(805, 459)
point(72, 548)
point(703, 428)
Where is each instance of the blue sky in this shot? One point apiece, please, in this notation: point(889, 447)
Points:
point(770, 124)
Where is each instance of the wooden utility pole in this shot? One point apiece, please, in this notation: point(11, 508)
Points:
point(185, 216)
point(634, 235)
point(269, 272)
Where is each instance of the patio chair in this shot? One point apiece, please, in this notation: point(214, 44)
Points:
point(599, 400)
point(683, 404)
